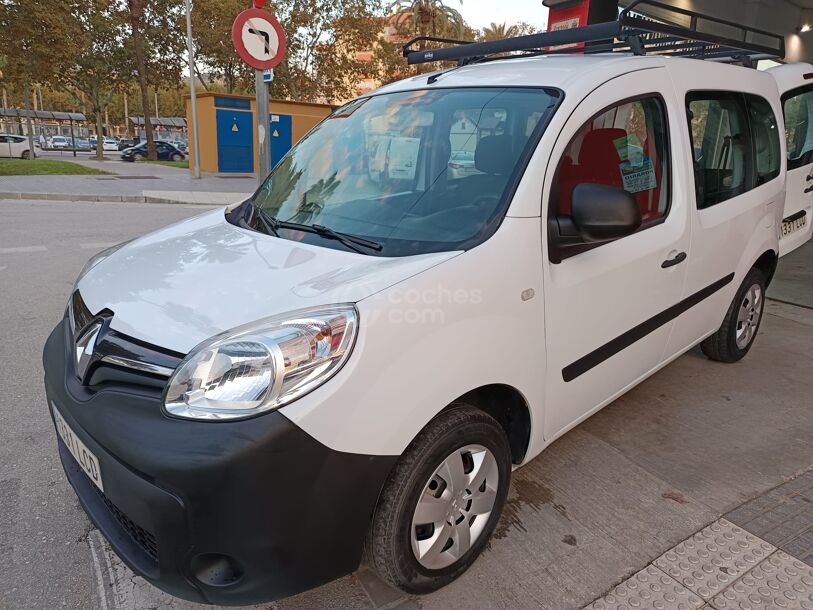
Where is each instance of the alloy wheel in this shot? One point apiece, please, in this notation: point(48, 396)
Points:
point(748, 315)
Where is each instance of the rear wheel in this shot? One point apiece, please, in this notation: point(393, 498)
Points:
point(442, 501)
point(736, 335)
point(177, 157)
point(26, 154)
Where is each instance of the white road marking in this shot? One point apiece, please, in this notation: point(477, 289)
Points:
point(98, 245)
point(96, 547)
point(23, 249)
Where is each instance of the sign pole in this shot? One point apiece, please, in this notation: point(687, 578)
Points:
point(261, 122)
point(192, 93)
point(260, 41)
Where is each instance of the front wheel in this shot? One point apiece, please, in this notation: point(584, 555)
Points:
point(736, 335)
point(26, 154)
point(177, 157)
point(441, 502)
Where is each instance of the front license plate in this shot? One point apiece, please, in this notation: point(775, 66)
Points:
point(84, 457)
point(791, 226)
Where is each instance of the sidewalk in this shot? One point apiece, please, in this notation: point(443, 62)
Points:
point(133, 182)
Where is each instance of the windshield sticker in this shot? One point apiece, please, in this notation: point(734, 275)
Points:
point(403, 158)
point(639, 176)
point(630, 149)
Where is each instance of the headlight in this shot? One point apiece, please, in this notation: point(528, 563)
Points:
point(263, 365)
point(98, 258)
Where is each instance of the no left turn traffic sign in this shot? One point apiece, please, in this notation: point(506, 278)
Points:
point(258, 39)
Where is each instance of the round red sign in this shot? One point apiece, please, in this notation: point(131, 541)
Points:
point(258, 39)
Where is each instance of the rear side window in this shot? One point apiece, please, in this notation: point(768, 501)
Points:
point(626, 147)
point(735, 141)
point(798, 108)
point(765, 134)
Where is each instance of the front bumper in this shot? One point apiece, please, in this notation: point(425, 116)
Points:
point(289, 513)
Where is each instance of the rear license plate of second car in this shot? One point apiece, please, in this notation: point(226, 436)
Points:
point(88, 462)
point(791, 226)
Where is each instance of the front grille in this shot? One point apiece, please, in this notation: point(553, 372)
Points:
point(142, 537)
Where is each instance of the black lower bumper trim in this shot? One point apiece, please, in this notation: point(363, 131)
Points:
point(282, 510)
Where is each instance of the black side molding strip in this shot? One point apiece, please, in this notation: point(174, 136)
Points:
point(611, 348)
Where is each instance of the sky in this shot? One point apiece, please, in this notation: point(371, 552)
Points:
point(480, 13)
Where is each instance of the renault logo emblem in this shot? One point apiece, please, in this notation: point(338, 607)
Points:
point(83, 350)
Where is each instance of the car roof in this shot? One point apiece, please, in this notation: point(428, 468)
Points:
point(566, 72)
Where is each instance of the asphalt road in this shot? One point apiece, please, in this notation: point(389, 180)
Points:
point(43, 548)
point(686, 446)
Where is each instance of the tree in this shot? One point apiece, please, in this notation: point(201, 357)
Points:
point(498, 31)
point(38, 37)
point(430, 17)
point(324, 39)
point(100, 66)
point(157, 46)
point(211, 24)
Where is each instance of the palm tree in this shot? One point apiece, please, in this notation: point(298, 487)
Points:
point(498, 31)
point(429, 18)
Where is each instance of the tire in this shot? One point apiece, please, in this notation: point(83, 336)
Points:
point(177, 157)
point(139, 157)
point(26, 155)
point(452, 435)
point(739, 329)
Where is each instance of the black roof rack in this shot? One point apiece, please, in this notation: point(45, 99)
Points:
point(674, 32)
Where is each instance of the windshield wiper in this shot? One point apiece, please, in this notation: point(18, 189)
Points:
point(351, 241)
point(272, 225)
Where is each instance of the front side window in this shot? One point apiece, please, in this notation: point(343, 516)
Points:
point(416, 171)
point(798, 109)
point(625, 147)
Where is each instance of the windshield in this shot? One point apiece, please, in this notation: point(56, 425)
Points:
point(417, 171)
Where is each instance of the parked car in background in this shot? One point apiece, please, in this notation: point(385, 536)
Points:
point(59, 142)
point(461, 164)
point(165, 150)
point(110, 144)
point(15, 146)
point(81, 144)
point(125, 143)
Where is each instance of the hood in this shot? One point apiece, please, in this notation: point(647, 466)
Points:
point(187, 282)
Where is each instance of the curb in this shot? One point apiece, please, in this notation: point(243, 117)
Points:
point(101, 198)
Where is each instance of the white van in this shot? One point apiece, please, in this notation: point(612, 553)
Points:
point(796, 87)
point(355, 359)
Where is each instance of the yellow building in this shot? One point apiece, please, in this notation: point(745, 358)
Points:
point(228, 140)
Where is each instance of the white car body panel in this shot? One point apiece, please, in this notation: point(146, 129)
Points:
point(14, 146)
point(436, 326)
point(793, 78)
point(192, 280)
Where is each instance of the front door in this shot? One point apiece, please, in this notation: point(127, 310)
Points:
point(797, 105)
point(610, 307)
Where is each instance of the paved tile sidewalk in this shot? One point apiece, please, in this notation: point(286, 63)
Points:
point(736, 563)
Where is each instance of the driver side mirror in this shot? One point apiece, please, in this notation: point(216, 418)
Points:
point(599, 214)
point(604, 213)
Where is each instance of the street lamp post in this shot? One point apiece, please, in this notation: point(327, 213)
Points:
point(192, 93)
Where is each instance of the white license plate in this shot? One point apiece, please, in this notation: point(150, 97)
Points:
point(794, 225)
point(84, 457)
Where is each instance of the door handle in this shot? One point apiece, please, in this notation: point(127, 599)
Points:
point(809, 189)
point(676, 260)
point(810, 177)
